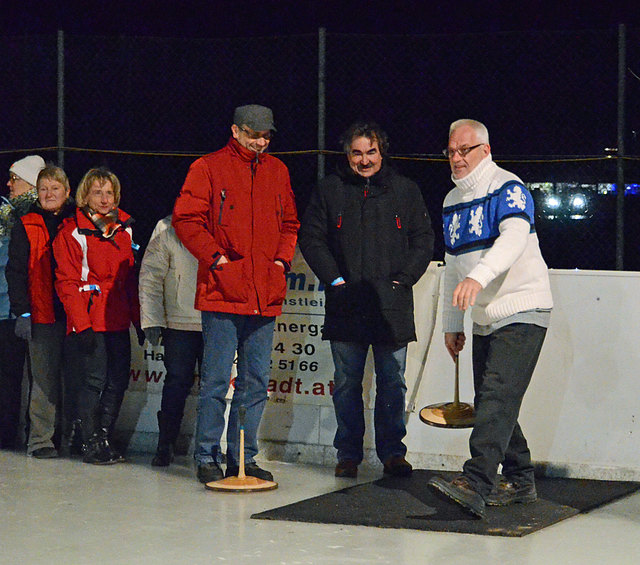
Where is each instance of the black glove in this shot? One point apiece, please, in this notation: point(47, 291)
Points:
point(87, 342)
point(23, 327)
point(153, 334)
point(140, 335)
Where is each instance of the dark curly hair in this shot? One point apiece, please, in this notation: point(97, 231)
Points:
point(370, 130)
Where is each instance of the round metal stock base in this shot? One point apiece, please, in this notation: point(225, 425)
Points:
point(448, 415)
point(241, 484)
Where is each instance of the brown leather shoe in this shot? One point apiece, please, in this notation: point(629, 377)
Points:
point(347, 469)
point(397, 466)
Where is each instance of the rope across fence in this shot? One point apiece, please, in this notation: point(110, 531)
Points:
point(148, 107)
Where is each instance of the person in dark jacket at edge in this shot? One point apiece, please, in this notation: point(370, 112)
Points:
point(367, 236)
point(23, 175)
point(41, 319)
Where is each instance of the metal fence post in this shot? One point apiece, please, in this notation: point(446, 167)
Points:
point(61, 98)
point(622, 65)
point(322, 32)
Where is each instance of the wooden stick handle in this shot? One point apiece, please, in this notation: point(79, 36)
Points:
point(456, 390)
point(241, 414)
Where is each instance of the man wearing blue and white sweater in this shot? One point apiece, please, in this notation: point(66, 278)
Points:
point(495, 268)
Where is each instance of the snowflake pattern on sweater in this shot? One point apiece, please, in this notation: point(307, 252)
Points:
point(474, 225)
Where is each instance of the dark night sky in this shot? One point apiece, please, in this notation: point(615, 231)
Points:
point(225, 18)
point(560, 103)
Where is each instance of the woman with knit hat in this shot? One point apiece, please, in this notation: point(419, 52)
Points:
point(23, 175)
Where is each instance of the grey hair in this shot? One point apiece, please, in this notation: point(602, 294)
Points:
point(481, 130)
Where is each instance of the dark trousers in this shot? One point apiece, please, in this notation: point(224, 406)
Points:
point(503, 363)
point(182, 349)
point(104, 380)
point(13, 351)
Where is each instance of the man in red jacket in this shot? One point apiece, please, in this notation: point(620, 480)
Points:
point(236, 214)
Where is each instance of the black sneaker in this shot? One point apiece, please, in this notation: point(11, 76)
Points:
point(209, 472)
point(44, 453)
point(461, 492)
point(251, 470)
point(512, 492)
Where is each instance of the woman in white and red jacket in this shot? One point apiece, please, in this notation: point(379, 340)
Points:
point(96, 281)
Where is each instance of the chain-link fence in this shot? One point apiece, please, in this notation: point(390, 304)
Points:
point(147, 107)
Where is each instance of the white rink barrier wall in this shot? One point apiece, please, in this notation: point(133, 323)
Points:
point(580, 415)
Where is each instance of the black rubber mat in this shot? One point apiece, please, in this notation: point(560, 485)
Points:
point(410, 504)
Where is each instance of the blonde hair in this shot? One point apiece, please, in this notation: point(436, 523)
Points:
point(54, 173)
point(101, 175)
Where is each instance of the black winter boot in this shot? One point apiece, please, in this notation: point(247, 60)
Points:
point(108, 446)
point(107, 415)
point(163, 456)
point(97, 451)
point(71, 443)
point(168, 432)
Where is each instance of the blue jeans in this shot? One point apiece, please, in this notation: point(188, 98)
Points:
point(252, 338)
point(181, 351)
point(349, 359)
point(503, 363)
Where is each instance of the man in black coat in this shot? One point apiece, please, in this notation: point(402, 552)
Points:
point(367, 236)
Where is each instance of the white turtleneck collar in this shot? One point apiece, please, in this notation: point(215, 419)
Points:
point(468, 183)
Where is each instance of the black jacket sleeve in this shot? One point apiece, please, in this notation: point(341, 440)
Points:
point(420, 237)
point(17, 272)
point(313, 239)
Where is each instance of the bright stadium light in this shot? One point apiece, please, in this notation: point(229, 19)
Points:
point(578, 206)
point(578, 202)
point(553, 202)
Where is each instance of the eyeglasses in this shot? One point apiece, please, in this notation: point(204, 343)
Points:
point(13, 177)
point(257, 134)
point(462, 151)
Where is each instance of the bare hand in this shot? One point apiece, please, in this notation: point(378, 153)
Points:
point(222, 261)
point(465, 293)
point(454, 342)
point(278, 262)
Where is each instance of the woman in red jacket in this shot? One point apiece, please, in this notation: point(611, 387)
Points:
point(96, 281)
point(40, 316)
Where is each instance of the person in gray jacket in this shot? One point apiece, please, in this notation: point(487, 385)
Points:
point(167, 290)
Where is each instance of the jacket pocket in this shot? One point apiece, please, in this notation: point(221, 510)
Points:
point(230, 282)
point(276, 284)
point(183, 294)
point(394, 297)
point(339, 300)
point(222, 215)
